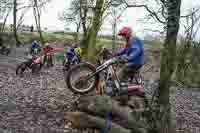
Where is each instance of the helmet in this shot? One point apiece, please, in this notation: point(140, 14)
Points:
point(125, 31)
point(35, 41)
point(78, 51)
point(75, 45)
point(46, 44)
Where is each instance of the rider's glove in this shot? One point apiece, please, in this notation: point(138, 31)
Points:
point(123, 59)
point(115, 55)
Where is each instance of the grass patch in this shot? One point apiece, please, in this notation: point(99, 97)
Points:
point(28, 37)
point(59, 56)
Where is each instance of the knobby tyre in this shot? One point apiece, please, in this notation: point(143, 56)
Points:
point(81, 86)
point(36, 68)
point(21, 68)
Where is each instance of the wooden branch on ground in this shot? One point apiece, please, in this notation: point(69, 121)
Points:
point(99, 105)
point(82, 120)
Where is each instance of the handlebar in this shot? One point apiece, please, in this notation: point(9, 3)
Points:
point(118, 59)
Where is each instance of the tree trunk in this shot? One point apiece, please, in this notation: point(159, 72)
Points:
point(39, 25)
point(99, 105)
point(15, 23)
point(37, 19)
point(93, 31)
point(83, 17)
point(1, 25)
point(168, 60)
point(78, 25)
point(82, 120)
point(84, 22)
point(5, 19)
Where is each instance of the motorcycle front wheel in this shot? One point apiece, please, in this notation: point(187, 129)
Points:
point(66, 65)
point(21, 68)
point(75, 79)
point(5, 51)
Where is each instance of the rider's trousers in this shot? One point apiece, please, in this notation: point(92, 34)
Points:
point(127, 70)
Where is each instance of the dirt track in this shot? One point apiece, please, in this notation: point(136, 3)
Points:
point(35, 103)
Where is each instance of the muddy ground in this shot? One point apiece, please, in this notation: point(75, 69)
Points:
point(36, 103)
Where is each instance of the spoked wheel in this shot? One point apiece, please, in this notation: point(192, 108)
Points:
point(36, 68)
point(66, 65)
point(137, 78)
point(76, 78)
point(21, 68)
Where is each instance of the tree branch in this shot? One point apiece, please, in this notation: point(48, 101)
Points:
point(152, 13)
point(29, 6)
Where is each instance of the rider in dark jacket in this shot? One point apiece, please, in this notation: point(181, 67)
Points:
point(35, 45)
point(74, 53)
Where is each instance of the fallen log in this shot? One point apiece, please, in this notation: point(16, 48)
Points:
point(99, 105)
point(82, 120)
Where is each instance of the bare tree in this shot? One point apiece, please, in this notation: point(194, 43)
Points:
point(37, 10)
point(188, 53)
point(15, 3)
point(79, 14)
point(8, 9)
point(191, 26)
point(21, 19)
point(72, 16)
point(114, 13)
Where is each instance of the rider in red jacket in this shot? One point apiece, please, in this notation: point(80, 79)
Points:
point(133, 52)
point(48, 50)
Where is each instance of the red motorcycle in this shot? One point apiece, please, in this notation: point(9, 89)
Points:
point(32, 62)
point(84, 78)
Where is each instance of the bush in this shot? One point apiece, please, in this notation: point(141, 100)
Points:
point(187, 70)
point(7, 38)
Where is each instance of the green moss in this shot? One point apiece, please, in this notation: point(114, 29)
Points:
point(60, 55)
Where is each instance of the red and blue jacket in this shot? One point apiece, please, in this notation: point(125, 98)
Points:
point(134, 51)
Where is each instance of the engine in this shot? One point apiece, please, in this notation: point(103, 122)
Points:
point(109, 88)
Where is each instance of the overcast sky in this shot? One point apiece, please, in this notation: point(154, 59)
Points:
point(130, 17)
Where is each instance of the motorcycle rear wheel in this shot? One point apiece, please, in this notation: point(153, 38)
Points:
point(36, 68)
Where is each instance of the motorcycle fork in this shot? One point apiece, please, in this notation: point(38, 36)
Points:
point(29, 63)
point(112, 73)
point(98, 70)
